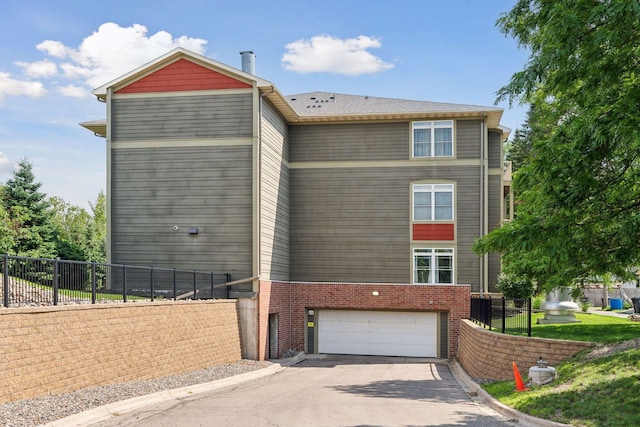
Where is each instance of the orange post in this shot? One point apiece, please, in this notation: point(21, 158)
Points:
point(516, 375)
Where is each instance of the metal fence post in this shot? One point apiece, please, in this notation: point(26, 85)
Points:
point(212, 297)
point(195, 285)
point(124, 284)
point(94, 283)
point(56, 285)
point(504, 315)
point(5, 281)
point(175, 286)
point(152, 285)
point(529, 318)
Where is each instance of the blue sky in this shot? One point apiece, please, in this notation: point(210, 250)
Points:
point(53, 53)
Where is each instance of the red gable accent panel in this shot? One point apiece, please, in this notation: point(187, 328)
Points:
point(183, 75)
point(433, 232)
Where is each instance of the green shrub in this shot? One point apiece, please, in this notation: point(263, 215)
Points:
point(537, 301)
point(515, 287)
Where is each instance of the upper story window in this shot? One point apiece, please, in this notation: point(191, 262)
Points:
point(433, 139)
point(433, 202)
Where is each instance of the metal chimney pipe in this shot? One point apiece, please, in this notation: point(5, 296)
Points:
point(248, 62)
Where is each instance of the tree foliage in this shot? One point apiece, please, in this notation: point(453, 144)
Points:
point(33, 225)
point(578, 193)
point(28, 209)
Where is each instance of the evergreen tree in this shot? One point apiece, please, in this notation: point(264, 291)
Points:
point(29, 212)
point(7, 234)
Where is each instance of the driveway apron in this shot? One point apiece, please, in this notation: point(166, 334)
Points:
point(330, 391)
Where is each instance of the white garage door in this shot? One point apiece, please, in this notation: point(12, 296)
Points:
point(377, 333)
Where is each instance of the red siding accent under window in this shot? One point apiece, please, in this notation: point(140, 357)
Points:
point(433, 232)
point(183, 75)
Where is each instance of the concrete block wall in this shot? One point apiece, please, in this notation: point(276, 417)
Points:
point(489, 355)
point(292, 299)
point(50, 350)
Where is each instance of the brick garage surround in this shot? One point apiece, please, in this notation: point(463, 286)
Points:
point(65, 348)
point(489, 355)
point(291, 299)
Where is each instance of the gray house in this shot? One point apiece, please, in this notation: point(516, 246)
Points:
point(212, 168)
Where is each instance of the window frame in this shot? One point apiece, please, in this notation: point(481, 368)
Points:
point(433, 255)
point(432, 188)
point(431, 125)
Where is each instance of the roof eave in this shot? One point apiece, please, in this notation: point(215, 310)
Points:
point(98, 127)
point(493, 117)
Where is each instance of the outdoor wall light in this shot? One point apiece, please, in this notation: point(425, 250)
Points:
point(193, 230)
point(311, 312)
point(375, 293)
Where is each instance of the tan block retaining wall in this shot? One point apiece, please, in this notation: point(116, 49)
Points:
point(50, 350)
point(489, 355)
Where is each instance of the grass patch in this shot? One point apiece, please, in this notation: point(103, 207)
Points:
point(592, 327)
point(84, 295)
point(588, 392)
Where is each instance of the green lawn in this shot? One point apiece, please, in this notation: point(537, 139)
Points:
point(84, 295)
point(602, 391)
point(592, 327)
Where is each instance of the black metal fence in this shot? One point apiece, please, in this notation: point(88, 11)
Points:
point(502, 314)
point(41, 281)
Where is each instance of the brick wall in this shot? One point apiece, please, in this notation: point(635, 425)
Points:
point(292, 299)
point(60, 349)
point(489, 355)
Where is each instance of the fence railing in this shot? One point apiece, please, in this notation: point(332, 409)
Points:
point(502, 314)
point(41, 281)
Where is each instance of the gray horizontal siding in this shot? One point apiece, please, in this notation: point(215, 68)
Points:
point(495, 149)
point(155, 189)
point(362, 141)
point(354, 224)
point(183, 117)
point(495, 221)
point(371, 141)
point(274, 201)
point(468, 134)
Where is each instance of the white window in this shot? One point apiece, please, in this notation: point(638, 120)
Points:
point(433, 139)
point(433, 202)
point(433, 266)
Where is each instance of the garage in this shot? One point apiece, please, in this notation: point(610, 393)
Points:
point(378, 333)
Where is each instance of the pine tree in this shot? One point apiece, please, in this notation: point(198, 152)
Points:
point(28, 211)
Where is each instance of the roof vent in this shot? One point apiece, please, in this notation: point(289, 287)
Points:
point(248, 62)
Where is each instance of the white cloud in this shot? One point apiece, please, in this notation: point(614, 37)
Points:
point(73, 91)
point(54, 48)
point(12, 87)
point(108, 53)
point(39, 69)
point(334, 55)
point(6, 165)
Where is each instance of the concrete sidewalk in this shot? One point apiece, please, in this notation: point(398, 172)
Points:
point(621, 314)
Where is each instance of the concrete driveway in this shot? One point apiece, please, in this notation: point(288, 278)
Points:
point(329, 391)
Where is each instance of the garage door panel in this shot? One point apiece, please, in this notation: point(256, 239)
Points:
point(412, 334)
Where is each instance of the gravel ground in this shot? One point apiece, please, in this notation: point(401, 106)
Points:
point(42, 410)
